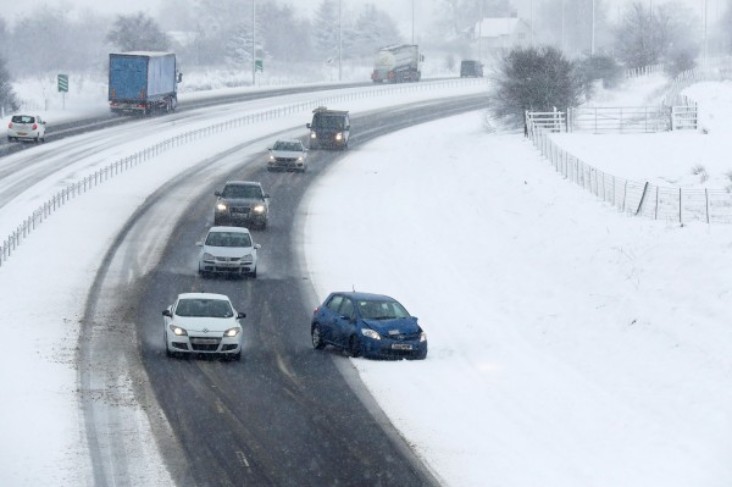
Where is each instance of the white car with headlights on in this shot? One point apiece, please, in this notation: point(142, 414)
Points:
point(288, 155)
point(228, 250)
point(202, 323)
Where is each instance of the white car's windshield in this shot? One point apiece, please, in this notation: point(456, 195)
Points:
point(228, 239)
point(211, 308)
point(288, 146)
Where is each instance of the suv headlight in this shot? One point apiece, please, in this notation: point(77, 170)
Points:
point(271, 157)
point(367, 332)
point(423, 337)
point(312, 135)
point(208, 257)
point(258, 209)
point(221, 206)
point(177, 330)
point(339, 136)
point(247, 258)
point(232, 332)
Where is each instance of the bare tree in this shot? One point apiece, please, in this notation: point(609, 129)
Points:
point(137, 32)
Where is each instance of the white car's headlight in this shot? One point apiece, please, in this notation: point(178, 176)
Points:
point(247, 258)
point(271, 157)
point(177, 330)
point(339, 136)
point(258, 209)
point(423, 337)
point(221, 207)
point(370, 333)
point(300, 159)
point(208, 257)
point(232, 332)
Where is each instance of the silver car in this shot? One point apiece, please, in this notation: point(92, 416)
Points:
point(228, 250)
point(288, 155)
point(202, 323)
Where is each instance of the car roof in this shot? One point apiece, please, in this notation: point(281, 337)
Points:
point(242, 183)
point(365, 296)
point(289, 141)
point(203, 296)
point(228, 229)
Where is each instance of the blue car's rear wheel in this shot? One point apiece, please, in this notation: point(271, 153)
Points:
point(316, 337)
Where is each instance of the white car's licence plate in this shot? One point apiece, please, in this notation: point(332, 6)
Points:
point(204, 341)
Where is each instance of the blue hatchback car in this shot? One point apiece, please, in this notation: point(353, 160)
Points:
point(372, 325)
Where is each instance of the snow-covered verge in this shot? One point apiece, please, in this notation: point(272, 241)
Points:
point(569, 344)
point(44, 285)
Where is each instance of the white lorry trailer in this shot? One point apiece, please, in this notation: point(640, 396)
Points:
point(397, 64)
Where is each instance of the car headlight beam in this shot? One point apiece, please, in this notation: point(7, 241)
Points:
point(232, 332)
point(258, 209)
point(177, 330)
point(221, 207)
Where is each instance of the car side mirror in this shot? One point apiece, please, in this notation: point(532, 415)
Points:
point(257, 246)
point(307, 125)
point(266, 195)
point(269, 148)
point(167, 313)
point(348, 127)
point(217, 193)
point(241, 316)
point(199, 244)
point(180, 77)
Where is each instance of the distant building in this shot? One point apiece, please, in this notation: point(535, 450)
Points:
point(495, 34)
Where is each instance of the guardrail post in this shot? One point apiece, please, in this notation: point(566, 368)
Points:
point(706, 199)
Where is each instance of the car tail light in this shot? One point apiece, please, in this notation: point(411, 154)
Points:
point(35, 126)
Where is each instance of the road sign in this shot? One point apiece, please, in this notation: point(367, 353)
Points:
point(63, 83)
point(259, 65)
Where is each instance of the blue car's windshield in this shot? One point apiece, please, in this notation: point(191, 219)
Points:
point(381, 310)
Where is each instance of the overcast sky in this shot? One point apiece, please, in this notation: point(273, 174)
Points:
point(401, 10)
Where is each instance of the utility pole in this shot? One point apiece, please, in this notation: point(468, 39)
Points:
point(412, 21)
point(340, 43)
point(592, 46)
point(531, 21)
point(562, 39)
point(254, 42)
point(705, 34)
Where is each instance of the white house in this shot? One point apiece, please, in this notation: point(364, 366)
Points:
point(495, 34)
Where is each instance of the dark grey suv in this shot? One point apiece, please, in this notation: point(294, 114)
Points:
point(242, 203)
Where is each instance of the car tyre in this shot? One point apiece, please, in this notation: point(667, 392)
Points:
point(354, 346)
point(316, 337)
point(235, 356)
point(253, 274)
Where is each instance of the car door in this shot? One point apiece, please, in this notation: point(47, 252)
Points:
point(327, 318)
point(345, 322)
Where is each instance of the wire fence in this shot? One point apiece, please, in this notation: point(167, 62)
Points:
point(11, 243)
point(635, 197)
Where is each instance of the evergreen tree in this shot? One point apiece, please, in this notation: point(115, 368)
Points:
point(536, 79)
point(8, 100)
point(325, 30)
point(373, 29)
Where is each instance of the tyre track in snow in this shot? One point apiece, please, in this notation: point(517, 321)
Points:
point(285, 415)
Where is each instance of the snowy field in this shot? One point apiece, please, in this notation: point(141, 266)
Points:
point(570, 345)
